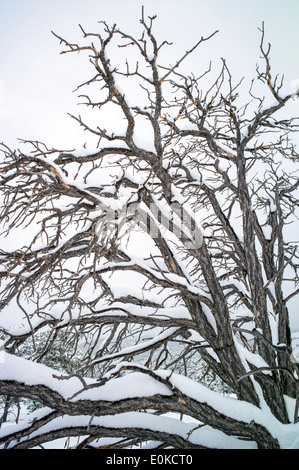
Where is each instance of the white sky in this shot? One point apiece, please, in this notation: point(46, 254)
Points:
point(36, 82)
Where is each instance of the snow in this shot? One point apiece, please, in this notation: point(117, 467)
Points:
point(109, 204)
point(129, 386)
point(226, 150)
point(84, 152)
point(250, 358)
point(122, 290)
point(286, 434)
point(142, 143)
point(18, 368)
point(139, 384)
point(201, 436)
point(15, 323)
point(134, 385)
point(138, 261)
point(273, 207)
point(210, 317)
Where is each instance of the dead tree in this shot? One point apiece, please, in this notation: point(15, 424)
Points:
point(211, 199)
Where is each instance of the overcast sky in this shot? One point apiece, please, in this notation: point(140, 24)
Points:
point(36, 82)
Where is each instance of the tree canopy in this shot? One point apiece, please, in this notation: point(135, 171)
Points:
point(159, 249)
